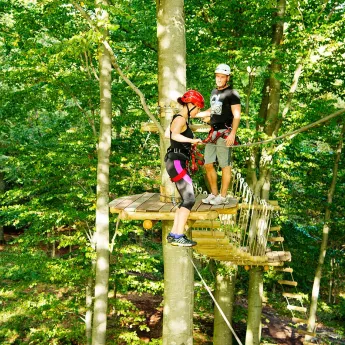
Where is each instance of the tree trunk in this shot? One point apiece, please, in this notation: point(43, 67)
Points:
point(269, 108)
point(171, 71)
point(102, 207)
point(253, 334)
point(178, 269)
point(275, 69)
point(224, 295)
point(325, 234)
point(178, 293)
point(2, 191)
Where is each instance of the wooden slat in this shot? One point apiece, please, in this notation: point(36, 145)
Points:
point(304, 332)
point(198, 202)
point(133, 207)
point(298, 320)
point(153, 204)
point(259, 207)
point(293, 295)
point(295, 307)
point(287, 282)
point(124, 203)
point(275, 228)
point(211, 241)
point(210, 224)
point(278, 256)
point(275, 239)
point(168, 207)
point(207, 234)
point(285, 269)
point(165, 215)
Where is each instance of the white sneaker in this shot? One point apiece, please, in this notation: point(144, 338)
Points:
point(208, 199)
point(218, 200)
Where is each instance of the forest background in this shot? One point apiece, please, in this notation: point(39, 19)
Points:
point(49, 111)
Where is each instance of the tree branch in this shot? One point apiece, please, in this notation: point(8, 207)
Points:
point(118, 69)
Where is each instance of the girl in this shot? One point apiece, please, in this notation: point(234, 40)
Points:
point(176, 162)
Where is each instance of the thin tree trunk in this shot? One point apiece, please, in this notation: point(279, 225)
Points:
point(225, 296)
point(325, 235)
point(2, 191)
point(102, 207)
point(275, 68)
point(253, 334)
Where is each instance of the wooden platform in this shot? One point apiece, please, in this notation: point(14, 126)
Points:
point(212, 242)
point(148, 206)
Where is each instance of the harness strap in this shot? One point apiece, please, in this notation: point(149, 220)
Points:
point(223, 135)
point(179, 176)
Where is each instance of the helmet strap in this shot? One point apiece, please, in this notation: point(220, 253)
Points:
point(190, 110)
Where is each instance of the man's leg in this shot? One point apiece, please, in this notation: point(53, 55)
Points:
point(226, 176)
point(211, 176)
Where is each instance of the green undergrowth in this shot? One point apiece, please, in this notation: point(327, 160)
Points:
point(42, 299)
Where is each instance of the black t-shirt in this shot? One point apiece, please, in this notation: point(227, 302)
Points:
point(221, 102)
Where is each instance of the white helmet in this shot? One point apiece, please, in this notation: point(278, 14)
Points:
point(223, 69)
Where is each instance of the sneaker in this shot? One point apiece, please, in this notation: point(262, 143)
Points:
point(208, 199)
point(170, 238)
point(183, 241)
point(218, 200)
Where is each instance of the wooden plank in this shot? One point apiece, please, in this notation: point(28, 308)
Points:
point(298, 320)
point(278, 255)
point(285, 269)
point(259, 207)
point(133, 207)
point(153, 204)
point(198, 201)
point(210, 224)
point(287, 282)
point(207, 234)
point(293, 295)
point(211, 241)
point(275, 228)
point(124, 203)
point(168, 207)
point(124, 214)
point(297, 308)
point(275, 239)
point(201, 207)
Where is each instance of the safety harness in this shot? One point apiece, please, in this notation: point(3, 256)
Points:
point(197, 158)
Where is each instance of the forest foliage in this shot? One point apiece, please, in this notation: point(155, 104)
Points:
point(49, 117)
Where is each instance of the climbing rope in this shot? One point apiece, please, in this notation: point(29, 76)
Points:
point(293, 133)
point(216, 303)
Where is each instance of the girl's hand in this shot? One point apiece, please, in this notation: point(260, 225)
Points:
point(197, 141)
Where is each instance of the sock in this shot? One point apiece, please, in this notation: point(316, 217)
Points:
point(175, 235)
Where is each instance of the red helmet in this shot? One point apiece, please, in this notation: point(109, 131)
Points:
point(192, 96)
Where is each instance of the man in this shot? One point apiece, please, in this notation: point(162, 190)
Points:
point(225, 114)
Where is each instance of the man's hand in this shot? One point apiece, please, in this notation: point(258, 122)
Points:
point(230, 139)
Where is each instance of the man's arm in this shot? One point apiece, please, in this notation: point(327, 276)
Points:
point(205, 115)
point(236, 111)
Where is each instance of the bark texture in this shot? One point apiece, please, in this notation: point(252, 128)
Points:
point(224, 295)
point(255, 294)
point(325, 235)
point(102, 204)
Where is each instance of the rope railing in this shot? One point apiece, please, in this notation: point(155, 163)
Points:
point(247, 230)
